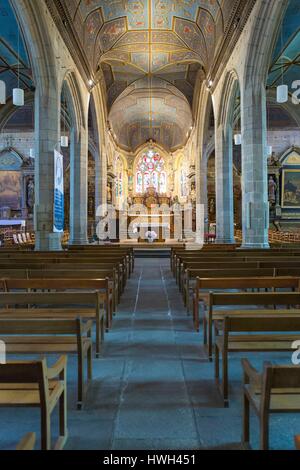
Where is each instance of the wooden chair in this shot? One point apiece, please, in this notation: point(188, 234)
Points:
point(276, 390)
point(51, 336)
point(33, 384)
point(27, 442)
point(253, 333)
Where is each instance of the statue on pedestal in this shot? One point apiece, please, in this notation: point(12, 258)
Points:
point(30, 194)
point(272, 187)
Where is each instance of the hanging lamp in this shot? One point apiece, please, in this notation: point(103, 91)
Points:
point(18, 93)
point(2, 92)
point(64, 139)
point(238, 139)
point(282, 91)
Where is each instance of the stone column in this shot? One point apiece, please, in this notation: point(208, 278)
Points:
point(254, 167)
point(224, 185)
point(78, 187)
point(47, 132)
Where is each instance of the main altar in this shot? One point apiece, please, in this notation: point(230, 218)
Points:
point(150, 212)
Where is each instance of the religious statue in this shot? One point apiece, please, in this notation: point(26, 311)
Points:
point(109, 193)
point(273, 160)
point(272, 190)
point(193, 193)
point(212, 206)
point(129, 199)
point(30, 194)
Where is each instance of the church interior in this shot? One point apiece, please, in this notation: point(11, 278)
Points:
point(149, 225)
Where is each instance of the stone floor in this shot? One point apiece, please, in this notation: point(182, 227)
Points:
point(153, 388)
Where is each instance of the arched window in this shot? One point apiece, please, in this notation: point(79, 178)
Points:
point(150, 173)
point(119, 178)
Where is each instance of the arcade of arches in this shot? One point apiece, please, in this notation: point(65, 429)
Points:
point(169, 81)
point(149, 103)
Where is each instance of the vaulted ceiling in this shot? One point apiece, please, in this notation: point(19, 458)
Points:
point(15, 69)
point(127, 40)
point(285, 67)
point(151, 108)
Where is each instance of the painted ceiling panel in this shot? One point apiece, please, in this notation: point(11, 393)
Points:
point(165, 117)
point(131, 39)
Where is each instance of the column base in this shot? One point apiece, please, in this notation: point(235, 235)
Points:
point(79, 241)
point(45, 241)
point(225, 241)
point(252, 246)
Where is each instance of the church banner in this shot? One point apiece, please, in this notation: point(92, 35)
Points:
point(58, 192)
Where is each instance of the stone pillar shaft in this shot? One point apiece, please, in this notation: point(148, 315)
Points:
point(78, 188)
point(224, 186)
point(47, 131)
point(254, 168)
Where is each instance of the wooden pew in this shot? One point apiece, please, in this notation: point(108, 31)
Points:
point(56, 305)
point(39, 263)
point(297, 442)
point(101, 270)
point(239, 283)
point(251, 263)
point(198, 256)
point(103, 286)
point(238, 335)
point(224, 273)
point(25, 335)
point(27, 442)
point(257, 302)
point(56, 273)
point(33, 384)
point(276, 390)
point(276, 265)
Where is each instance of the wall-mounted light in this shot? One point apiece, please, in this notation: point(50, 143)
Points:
point(31, 153)
point(269, 150)
point(91, 82)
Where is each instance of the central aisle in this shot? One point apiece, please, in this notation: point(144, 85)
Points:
point(155, 404)
point(148, 393)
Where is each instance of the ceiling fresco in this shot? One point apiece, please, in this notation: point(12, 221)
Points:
point(137, 43)
point(164, 116)
point(128, 39)
point(176, 41)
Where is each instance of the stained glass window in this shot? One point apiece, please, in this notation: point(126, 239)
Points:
point(150, 173)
